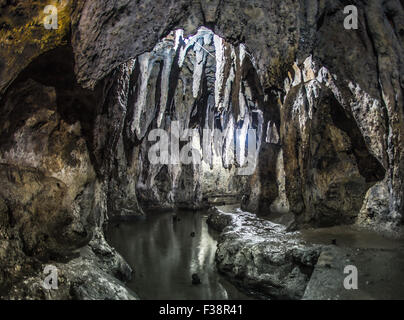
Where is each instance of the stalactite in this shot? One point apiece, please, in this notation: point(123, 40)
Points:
point(145, 69)
point(220, 65)
point(229, 83)
point(200, 58)
point(260, 128)
point(272, 135)
point(224, 80)
point(228, 148)
point(242, 136)
point(165, 78)
point(179, 34)
point(242, 105)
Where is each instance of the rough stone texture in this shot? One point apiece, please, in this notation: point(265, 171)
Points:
point(327, 165)
point(379, 274)
point(91, 276)
point(46, 172)
point(53, 195)
point(255, 23)
point(23, 36)
point(261, 257)
point(266, 261)
point(375, 212)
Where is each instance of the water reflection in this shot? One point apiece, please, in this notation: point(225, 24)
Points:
point(164, 256)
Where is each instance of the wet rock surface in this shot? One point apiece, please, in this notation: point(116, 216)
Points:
point(380, 274)
point(266, 261)
point(96, 273)
point(53, 201)
point(261, 257)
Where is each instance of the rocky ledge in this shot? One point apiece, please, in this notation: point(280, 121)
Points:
point(266, 261)
point(261, 257)
point(97, 273)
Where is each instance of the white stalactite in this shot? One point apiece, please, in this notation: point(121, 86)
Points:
point(242, 54)
point(242, 104)
point(242, 137)
point(260, 129)
point(165, 85)
point(272, 133)
point(228, 87)
point(145, 69)
point(178, 35)
point(220, 64)
point(228, 150)
point(200, 57)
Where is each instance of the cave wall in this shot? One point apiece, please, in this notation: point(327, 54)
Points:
point(54, 199)
point(367, 63)
point(325, 152)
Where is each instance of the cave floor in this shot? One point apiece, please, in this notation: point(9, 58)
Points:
point(166, 252)
point(378, 259)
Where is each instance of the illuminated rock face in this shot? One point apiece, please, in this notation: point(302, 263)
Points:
point(262, 257)
point(198, 77)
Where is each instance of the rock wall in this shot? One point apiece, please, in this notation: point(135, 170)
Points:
point(53, 198)
point(366, 63)
point(325, 152)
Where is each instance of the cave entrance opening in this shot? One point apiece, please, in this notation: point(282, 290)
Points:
point(205, 88)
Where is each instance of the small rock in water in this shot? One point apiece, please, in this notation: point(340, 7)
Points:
point(334, 242)
point(195, 279)
point(176, 219)
point(192, 234)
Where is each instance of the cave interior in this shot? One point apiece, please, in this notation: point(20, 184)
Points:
point(281, 162)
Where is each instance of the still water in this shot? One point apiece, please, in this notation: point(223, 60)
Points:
point(165, 252)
